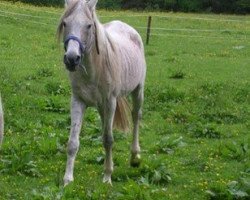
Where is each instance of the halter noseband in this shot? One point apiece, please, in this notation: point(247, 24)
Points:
point(81, 44)
point(72, 37)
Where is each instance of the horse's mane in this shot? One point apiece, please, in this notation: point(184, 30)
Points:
point(68, 11)
point(72, 7)
point(108, 58)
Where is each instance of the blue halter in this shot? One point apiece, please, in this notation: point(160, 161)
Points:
point(72, 37)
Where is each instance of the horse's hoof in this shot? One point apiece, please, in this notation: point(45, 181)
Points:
point(135, 160)
point(107, 179)
point(67, 181)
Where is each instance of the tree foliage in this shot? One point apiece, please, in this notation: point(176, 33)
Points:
point(217, 6)
point(57, 3)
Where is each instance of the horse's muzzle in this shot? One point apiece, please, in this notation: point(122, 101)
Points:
point(72, 61)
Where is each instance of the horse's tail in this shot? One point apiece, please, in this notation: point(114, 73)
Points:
point(122, 115)
point(1, 122)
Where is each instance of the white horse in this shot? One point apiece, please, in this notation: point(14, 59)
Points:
point(105, 62)
point(1, 122)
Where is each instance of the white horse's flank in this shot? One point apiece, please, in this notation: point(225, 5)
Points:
point(1, 122)
point(105, 63)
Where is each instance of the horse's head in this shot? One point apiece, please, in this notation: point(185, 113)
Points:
point(78, 30)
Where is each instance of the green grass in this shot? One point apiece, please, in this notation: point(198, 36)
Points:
point(195, 130)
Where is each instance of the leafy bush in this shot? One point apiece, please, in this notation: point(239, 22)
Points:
point(178, 74)
point(204, 131)
point(169, 144)
point(239, 189)
point(45, 72)
point(109, 4)
point(47, 193)
point(158, 175)
point(54, 105)
point(221, 116)
point(242, 94)
point(189, 6)
point(20, 161)
point(218, 6)
point(235, 151)
point(56, 3)
point(55, 88)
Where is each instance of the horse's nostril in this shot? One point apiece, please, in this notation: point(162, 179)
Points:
point(78, 59)
point(65, 59)
point(72, 59)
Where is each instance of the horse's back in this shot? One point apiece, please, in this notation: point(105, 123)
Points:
point(120, 30)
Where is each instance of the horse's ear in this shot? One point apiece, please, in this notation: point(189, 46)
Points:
point(92, 4)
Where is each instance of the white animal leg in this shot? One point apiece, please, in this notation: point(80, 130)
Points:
point(77, 111)
point(109, 112)
point(137, 96)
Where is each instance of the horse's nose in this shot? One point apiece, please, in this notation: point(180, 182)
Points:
point(72, 60)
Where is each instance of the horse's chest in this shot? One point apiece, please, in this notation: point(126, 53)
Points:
point(86, 91)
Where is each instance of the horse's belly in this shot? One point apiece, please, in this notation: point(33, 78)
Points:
point(133, 74)
point(130, 82)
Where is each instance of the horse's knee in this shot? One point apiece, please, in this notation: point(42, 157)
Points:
point(108, 141)
point(140, 114)
point(137, 114)
point(73, 147)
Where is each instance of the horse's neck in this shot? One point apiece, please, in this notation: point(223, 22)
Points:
point(98, 50)
point(103, 59)
point(100, 36)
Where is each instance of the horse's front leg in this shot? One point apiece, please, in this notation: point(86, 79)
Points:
point(77, 111)
point(108, 117)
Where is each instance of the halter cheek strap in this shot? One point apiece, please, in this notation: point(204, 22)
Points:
point(96, 40)
point(72, 37)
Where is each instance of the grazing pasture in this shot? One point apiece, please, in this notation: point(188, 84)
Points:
point(195, 130)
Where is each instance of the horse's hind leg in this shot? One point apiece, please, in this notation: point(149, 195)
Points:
point(137, 97)
point(77, 110)
point(108, 118)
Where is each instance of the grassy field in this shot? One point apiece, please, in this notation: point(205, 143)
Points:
point(195, 135)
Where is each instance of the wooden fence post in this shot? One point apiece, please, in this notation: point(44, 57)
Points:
point(148, 29)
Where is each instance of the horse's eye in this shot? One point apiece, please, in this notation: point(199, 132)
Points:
point(89, 26)
point(64, 24)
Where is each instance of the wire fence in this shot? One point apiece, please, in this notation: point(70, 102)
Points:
point(30, 8)
point(146, 15)
point(196, 36)
point(181, 17)
point(190, 30)
point(26, 20)
point(155, 30)
point(26, 15)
